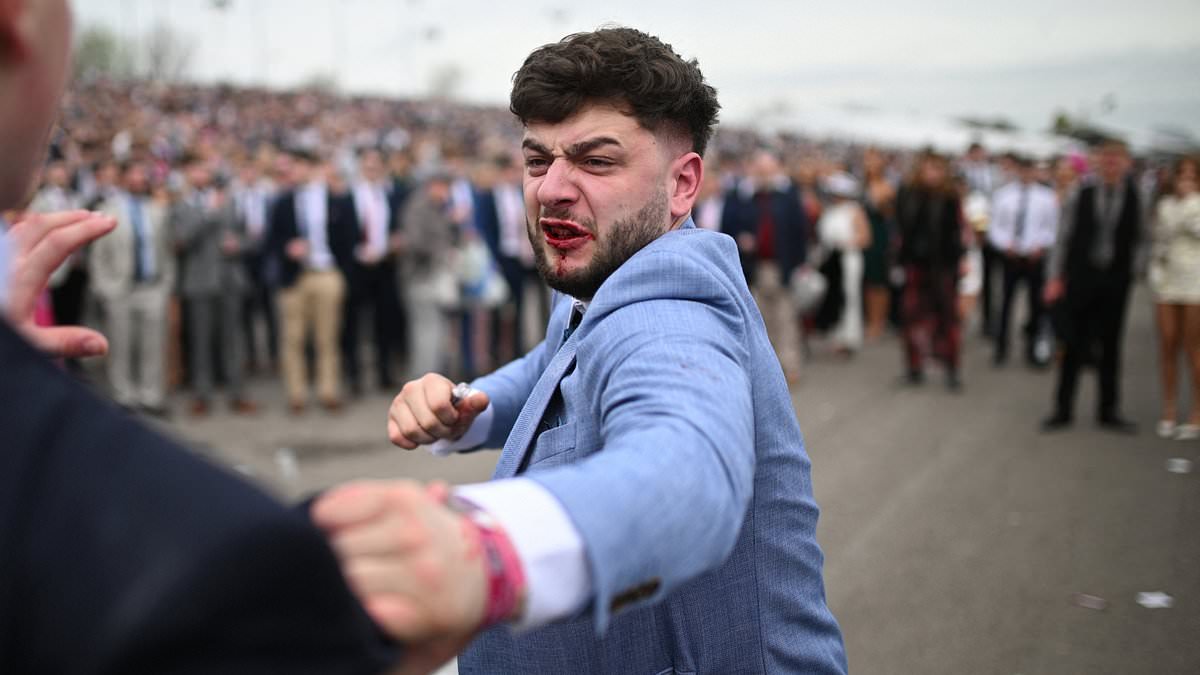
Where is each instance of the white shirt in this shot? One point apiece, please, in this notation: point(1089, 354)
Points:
point(252, 206)
point(552, 553)
point(1041, 211)
point(510, 209)
point(374, 213)
point(312, 212)
point(709, 212)
point(5, 255)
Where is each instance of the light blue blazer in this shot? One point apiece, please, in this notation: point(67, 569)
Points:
point(665, 427)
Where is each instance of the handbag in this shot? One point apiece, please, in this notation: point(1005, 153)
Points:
point(808, 288)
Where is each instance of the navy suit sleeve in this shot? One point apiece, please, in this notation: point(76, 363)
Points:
point(121, 552)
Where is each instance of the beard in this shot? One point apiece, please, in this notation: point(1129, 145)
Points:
point(618, 244)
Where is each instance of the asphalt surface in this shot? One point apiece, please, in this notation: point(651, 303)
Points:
point(957, 536)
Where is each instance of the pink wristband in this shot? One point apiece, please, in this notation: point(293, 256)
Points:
point(506, 576)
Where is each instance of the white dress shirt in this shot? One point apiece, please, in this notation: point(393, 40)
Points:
point(312, 211)
point(252, 206)
point(374, 212)
point(510, 209)
point(708, 213)
point(558, 581)
point(1035, 206)
point(5, 255)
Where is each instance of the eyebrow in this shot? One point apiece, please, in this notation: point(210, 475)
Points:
point(575, 150)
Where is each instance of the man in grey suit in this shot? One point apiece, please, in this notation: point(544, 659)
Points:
point(428, 232)
point(652, 510)
point(133, 272)
point(211, 237)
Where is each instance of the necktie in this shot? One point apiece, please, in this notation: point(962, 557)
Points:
point(572, 324)
point(141, 255)
point(1022, 213)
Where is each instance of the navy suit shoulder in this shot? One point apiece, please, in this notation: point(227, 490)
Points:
point(121, 552)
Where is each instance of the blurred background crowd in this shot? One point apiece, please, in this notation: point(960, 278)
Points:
point(343, 243)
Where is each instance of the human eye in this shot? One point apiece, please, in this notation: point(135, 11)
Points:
point(536, 165)
point(595, 163)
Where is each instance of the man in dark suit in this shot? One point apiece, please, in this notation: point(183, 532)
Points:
point(372, 280)
point(1091, 271)
point(768, 222)
point(313, 232)
point(119, 551)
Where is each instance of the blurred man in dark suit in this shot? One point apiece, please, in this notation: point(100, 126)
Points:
point(372, 282)
point(119, 551)
point(312, 233)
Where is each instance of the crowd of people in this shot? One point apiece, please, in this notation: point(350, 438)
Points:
point(295, 231)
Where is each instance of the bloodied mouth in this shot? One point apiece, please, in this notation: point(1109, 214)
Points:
point(563, 234)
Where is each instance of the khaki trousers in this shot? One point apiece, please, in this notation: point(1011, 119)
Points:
point(779, 315)
point(313, 303)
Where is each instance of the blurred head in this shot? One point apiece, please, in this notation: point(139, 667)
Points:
point(247, 172)
point(1185, 176)
point(1112, 161)
point(1064, 173)
point(107, 173)
point(874, 163)
point(764, 167)
point(933, 172)
point(304, 167)
point(1027, 171)
point(135, 179)
point(399, 163)
point(437, 188)
point(197, 172)
point(56, 174)
point(35, 45)
point(976, 153)
point(370, 164)
point(615, 126)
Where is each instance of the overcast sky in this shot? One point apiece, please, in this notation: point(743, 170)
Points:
point(1020, 59)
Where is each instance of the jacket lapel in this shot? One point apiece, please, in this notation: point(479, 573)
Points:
point(527, 422)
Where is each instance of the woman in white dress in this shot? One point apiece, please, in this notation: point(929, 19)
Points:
point(845, 231)
point(1175, 280)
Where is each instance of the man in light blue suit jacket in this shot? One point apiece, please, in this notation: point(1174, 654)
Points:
point(652, 510)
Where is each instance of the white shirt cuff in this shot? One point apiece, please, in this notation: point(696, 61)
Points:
point(475, 436)
point(551, 551)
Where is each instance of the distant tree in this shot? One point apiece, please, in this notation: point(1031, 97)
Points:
point(445, 81)
point(323, 83)
point(100, 52)
point(1062, 125)
point(167, 54)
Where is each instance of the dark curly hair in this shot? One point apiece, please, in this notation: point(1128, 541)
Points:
point(623, 66)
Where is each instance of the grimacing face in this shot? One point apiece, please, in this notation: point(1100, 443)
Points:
point(598, 188)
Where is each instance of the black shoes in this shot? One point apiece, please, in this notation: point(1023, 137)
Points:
point(1117, 424)
point(1056, 422)
point(1113, 423)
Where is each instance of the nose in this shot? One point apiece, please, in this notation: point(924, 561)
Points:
point(557, 190)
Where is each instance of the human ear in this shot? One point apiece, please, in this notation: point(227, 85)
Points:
point(687, 173)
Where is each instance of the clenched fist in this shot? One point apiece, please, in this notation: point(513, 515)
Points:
point(423, 412)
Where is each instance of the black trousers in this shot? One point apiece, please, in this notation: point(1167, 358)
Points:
point(1031, 273)
point(993, 260)
point(1094, 322)
point(373, 287)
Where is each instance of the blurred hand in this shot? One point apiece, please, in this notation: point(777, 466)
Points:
point(416, 565)
point(422, 413)
point(747, 243)
point(1055, 288)
point(396, 243)
point(230, 245)
point(41, 242)
point(297, 249)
